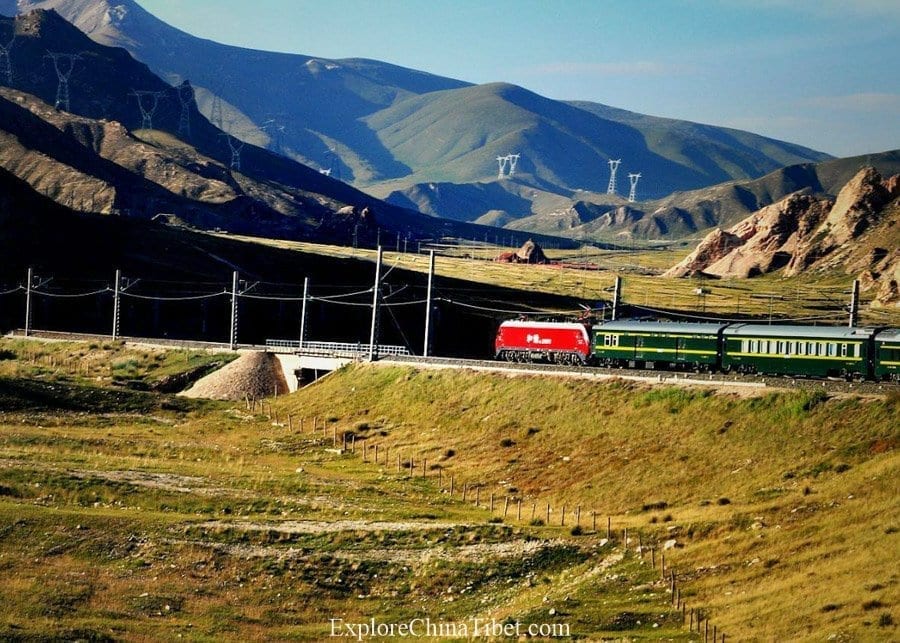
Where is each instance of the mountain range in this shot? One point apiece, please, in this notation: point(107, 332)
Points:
point(857, 232)
point(371, 123)
point(102, 155)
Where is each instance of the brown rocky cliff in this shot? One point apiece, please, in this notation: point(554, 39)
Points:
point(858, 233)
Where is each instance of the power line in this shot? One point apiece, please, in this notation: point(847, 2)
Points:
point(72, 296)
point(188, 298)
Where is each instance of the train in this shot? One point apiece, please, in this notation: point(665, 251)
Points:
point(763, 349)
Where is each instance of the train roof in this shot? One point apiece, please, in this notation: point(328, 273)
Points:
point(633, 326)
point(888, 335)
point(784, 330)
point(524, 323)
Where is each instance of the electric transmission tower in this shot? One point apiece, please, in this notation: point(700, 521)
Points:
point(502, 161)
point(613, 168)
point(235, 145)
point(6, 62)
point(147, 109)
point(632, 195)
point(64, 64)
point(277, 134)
point(505, 163)
point(186, 98)
point(513, 160)
point(215, 112)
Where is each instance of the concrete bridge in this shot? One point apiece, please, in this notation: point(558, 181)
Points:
point(304, 362)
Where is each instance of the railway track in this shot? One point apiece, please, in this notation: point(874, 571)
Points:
point(598, 372)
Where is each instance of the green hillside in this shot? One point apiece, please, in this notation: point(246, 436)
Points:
point(367, 121)
point(129, 514)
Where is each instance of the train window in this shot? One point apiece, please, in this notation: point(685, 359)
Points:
point(615, 340)
point(843, 350)
point(832, 349)
point(639, 341)
point(856, 350)
point(801, 348)
point(754, 346)
point(607, 340)
point(822, 350)
point(810, 348)
point(779, 346)
point(745, 345)
point(763, 346)
point(791, 348)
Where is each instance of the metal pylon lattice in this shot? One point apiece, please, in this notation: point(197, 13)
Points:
point(64, 64)
point(513, 161)
point(6, 62)
point(147, 109)
point(236, 145)
point(613, 168)
point(186, 98)
point(502, 162)
point(632, 194)
point(215, 112)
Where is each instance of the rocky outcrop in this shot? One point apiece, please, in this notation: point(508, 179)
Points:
point(715, 246)
point(806, 232)
point(858, 207)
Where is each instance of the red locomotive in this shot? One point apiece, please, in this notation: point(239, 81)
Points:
point(555, 342)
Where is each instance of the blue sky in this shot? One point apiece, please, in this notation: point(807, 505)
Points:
point(821, 73)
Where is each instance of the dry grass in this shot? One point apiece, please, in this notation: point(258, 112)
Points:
point(121, 514)
point(822, 296)
point(785, 502)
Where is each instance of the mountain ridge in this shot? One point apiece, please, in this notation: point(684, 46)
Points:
point(327, 108)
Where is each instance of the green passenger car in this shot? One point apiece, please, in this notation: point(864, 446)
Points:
point(887, 355)
point(815, 351)
point(649, 344)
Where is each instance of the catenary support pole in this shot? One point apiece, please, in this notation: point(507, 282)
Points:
point(854, 303)
point(427, 348)
point(115, 324)
point(303, 311)
point(28, 285)
point(617, 293)
point(376, 296)
point(234, 310)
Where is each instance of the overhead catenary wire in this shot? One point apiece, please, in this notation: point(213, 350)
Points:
point(9, 292)
point(185, 298)
point(507, 311)
point(748, 320)
point(71, 296)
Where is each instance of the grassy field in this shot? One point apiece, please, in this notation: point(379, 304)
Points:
point(132, 514)
point(822, 297)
